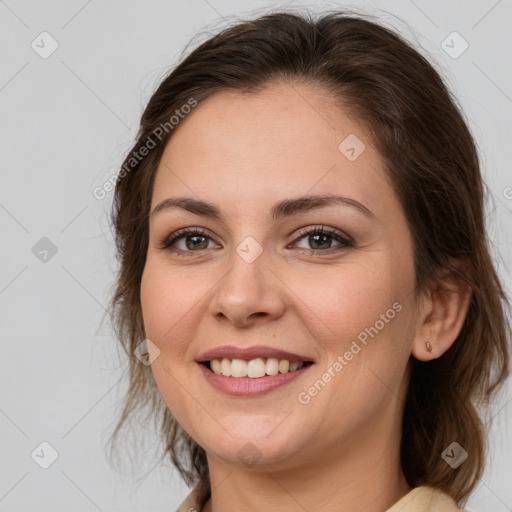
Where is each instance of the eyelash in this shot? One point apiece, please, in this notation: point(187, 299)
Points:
point(345, 241)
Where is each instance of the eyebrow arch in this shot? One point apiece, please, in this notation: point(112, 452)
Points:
point(280, 209)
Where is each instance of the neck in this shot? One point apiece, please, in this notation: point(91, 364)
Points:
point(340, 479)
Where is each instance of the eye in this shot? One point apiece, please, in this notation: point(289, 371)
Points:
point(186, 241)
point(320, 239)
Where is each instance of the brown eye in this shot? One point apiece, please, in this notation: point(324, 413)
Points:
point(187, 241)
point(321, 239)
point(196, 242)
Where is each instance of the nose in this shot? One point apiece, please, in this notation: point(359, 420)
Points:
point(248, 293)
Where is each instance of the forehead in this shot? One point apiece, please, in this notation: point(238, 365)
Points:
point(281, 120)
point(286, 140)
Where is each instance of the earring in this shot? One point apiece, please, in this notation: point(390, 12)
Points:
point(428, 346)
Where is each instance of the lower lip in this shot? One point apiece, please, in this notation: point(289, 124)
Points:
point(245, 386)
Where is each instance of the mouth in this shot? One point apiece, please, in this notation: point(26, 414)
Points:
point(251, 371)
point(254, 368)
point(254, 377)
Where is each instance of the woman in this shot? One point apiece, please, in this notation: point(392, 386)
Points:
point(302, 245)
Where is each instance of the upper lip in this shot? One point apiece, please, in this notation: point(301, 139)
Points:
point(232, 352)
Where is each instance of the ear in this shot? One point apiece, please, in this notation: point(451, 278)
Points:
point(442, 314)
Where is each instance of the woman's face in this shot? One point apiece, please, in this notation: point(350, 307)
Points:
point(258, 276)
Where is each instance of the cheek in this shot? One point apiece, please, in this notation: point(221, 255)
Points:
point(168, 313)
point(353, 297)
point(362, 323)
point(168, 303)
point(364, 330)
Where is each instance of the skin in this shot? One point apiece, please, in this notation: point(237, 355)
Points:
point(340, 451)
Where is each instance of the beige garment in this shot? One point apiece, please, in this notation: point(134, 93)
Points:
point(419, 499)
point(425, 499)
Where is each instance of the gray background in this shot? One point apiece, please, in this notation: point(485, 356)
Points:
point(66, 122)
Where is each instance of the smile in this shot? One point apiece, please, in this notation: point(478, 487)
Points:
point(251, 378)
point(255, 368)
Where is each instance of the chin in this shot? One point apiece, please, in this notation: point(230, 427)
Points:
point(264, 456)
point(252, 444)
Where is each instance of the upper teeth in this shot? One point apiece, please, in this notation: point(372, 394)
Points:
point(254, 368)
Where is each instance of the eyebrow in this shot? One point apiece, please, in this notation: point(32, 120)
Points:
point(286, 207)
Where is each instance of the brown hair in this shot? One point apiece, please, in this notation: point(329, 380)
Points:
point(432, 164)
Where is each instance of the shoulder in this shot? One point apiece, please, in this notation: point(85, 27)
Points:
point(425, 499)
